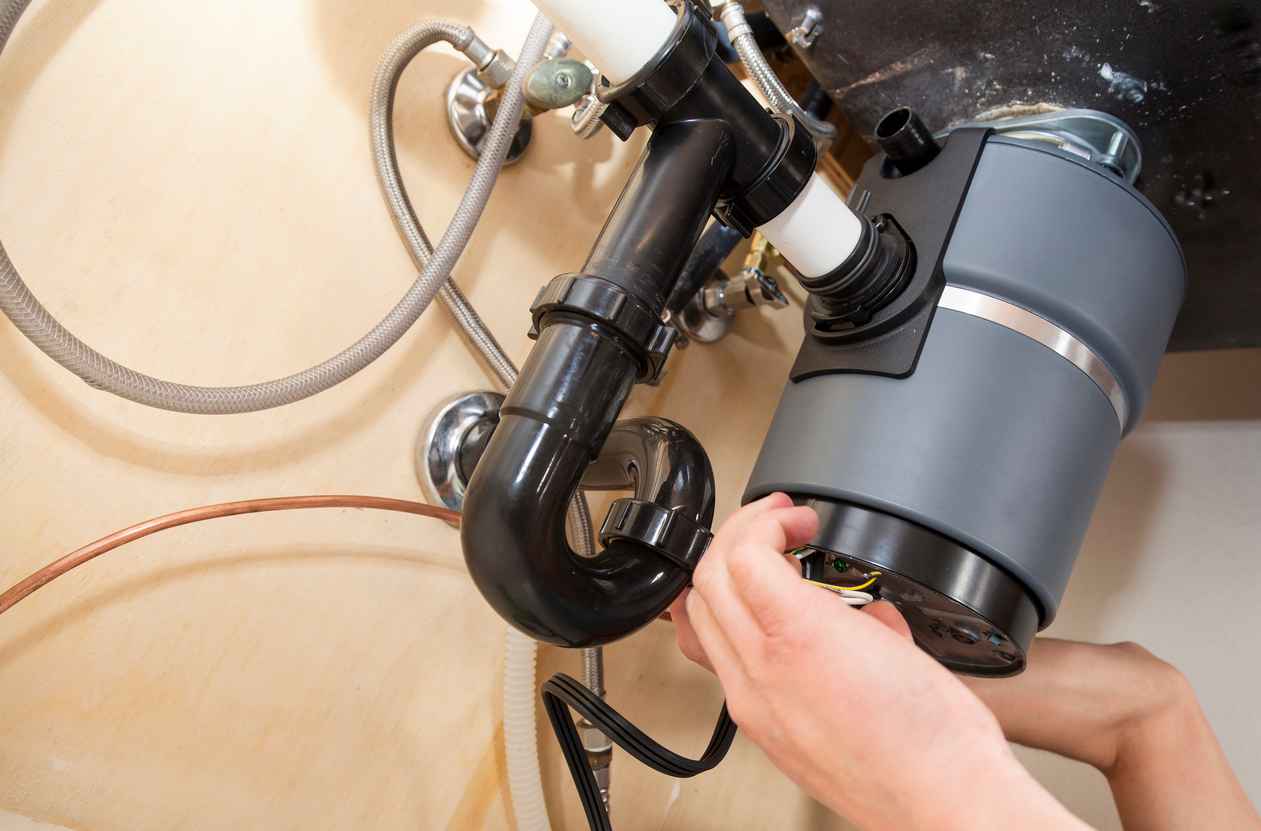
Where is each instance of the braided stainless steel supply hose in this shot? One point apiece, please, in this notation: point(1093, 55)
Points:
point(401, 53)
point(767, 81)
point(33, 320)
point(529, 808)
point(599, 747)
point(385, 156)
point(385, 86)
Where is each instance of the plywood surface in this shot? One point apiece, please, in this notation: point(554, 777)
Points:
point(189, 188)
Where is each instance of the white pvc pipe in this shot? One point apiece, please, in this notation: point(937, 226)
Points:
point(619, 37)
point(817, 232)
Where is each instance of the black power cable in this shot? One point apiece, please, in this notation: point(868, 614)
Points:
point(561, 692)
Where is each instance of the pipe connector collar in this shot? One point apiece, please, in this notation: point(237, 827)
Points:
point(666, 79)
point(670, 533)
point(641, 331)
point(782, 179)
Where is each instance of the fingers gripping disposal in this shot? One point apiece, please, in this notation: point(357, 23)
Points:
point(954, 432)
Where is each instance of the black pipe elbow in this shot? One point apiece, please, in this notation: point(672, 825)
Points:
point(599, 332)
point(514, 527)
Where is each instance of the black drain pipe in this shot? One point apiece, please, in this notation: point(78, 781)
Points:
point(713, 150)
point(566, 400)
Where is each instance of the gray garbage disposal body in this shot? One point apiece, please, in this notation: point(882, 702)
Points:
point(970, 483)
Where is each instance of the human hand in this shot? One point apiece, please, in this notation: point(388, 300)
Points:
point(841, 700)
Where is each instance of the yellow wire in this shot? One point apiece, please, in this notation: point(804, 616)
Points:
point(875, 575)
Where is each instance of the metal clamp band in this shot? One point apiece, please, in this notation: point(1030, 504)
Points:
point(1024, 322)
point(670, 533)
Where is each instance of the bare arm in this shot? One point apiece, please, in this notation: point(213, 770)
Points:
point(1136, 719)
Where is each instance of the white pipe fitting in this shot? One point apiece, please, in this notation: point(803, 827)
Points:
point(618, 37)
point(817, 232)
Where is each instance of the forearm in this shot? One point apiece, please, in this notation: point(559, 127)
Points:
point(993, 791)
point(1133, 717)
point(1170, 774)
point(962, 779)
point(1075, 699)
point(1019, 801)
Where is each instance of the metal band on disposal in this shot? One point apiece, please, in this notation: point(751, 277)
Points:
point(1024, 322)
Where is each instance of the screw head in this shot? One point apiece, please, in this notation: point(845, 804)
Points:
point(807, 30)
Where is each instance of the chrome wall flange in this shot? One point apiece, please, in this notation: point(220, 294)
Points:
point(470, 112)
point(450, 443)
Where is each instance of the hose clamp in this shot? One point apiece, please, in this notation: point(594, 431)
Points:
point(670, 75)
point(605, 302)
point(669, 532)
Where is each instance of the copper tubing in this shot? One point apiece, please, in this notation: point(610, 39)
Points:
point(104, 545)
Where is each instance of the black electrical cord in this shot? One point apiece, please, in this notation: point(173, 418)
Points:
point(561, 692)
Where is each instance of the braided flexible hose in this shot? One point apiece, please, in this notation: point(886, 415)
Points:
point(385, 156)
point(33, 320)
point(767, 81)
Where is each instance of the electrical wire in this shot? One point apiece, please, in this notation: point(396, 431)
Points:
point(872, 577)
point(875, 577)
point(104, 545)
point(562, 692)
point(850, 596)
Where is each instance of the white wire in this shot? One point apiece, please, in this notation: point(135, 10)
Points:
point(851, 597)
point(856, 599)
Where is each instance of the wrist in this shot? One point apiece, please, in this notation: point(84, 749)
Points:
point(975, 783)
point(998, 792)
